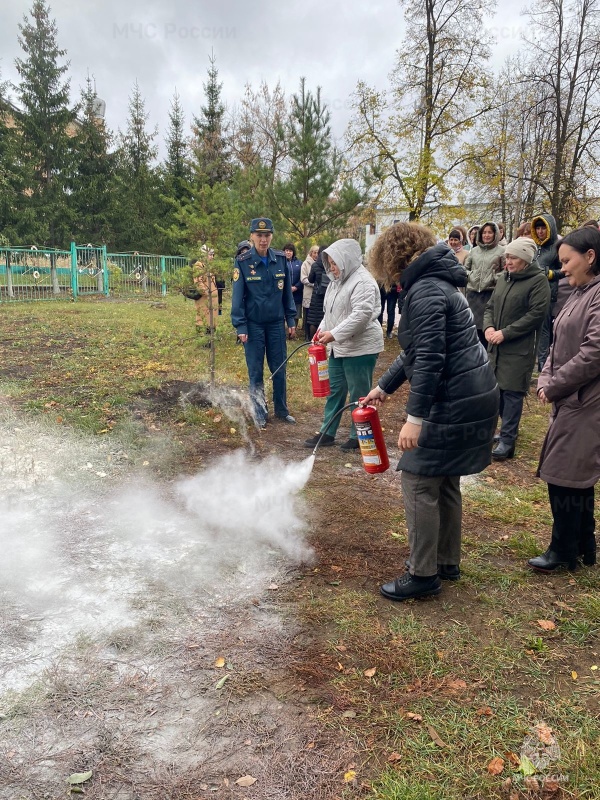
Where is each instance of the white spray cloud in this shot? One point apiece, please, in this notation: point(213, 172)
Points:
point(82, 537)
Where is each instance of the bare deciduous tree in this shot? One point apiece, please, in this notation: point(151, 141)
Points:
point(410, 134)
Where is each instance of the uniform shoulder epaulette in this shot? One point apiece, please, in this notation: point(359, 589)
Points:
point(279, 253)
point(245, 256)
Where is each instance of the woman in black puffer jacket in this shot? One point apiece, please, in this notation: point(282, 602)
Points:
point(320, 281)
point(452, 405)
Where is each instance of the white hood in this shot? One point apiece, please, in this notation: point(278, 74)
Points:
point(346, 253)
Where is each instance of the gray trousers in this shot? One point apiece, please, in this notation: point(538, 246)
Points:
point(433, 510)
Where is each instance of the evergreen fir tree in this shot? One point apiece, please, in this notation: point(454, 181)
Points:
point(45, 124)
point(137, 181)
point(92, 186)
point(209, 145)
point(177, 166)
point(314, 198)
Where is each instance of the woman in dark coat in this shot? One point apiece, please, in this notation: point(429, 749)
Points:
point(570, 380)
point(320, 281)
point(452, 405)
point(512, 323)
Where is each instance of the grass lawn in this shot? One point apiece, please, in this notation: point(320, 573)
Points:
point(439, 699)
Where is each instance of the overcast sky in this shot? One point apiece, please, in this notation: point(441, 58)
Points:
point(166, 44)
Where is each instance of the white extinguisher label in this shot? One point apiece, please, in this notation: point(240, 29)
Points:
point(366, 442)
point(323, 367)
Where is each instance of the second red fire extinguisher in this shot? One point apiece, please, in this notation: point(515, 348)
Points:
point(319, 370)
point(370, 439)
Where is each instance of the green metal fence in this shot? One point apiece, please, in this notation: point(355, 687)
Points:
point(42, 274)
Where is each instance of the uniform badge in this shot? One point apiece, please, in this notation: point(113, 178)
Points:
point(262, 225)
point(252, 271)
point(236, 274)
point(280, 284)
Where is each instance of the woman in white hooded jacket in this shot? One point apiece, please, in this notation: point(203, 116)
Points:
point(351, 331)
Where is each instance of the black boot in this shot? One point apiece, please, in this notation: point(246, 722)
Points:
point(409, 587)
point(502, 451)
point(551, 561)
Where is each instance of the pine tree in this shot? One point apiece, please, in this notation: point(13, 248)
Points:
point(45, 123)
point(138, 191)
point(92, 186)
point(209, 145)
point(177, 167)
point(314, 198)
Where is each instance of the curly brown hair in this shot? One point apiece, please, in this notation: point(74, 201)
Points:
point(395, 248)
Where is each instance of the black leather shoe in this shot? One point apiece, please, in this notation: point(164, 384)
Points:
point(550, 561)
point(449, 572)
point(502, 451)
point(326, 441)
point(351, 444)
point(408, 587)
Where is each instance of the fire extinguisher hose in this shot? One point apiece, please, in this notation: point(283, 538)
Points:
point(331, 421)
point(283, 363)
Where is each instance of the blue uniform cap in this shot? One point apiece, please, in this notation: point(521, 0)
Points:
point(261, 225)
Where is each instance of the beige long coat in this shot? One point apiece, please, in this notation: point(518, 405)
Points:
point(571, 381)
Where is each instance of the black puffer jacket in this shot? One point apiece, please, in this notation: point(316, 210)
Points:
point(452, 386)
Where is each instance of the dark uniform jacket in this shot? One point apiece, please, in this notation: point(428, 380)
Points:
point(261, 294)
point(452, 386)
point(295, 266)
point(518, 307)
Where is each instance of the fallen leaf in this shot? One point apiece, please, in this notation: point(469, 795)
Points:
point(546, 624)
point(310, 746)
point(550, 785)
point(564, 606)
point(273, 587)
point(349, 466)
point(341, 647)
point(336, 569)
point(436, 737)
point(218, 418)
point(79, 777)
point(544, 733)
point(506, 784)
point(513, 758)
point(484, 711)
point(220, 662)
point(526, 766)
point(495, 766)
point(232, 430)
point(349, 714)
point(246, 780)
point(339, 667)
point(574, 675)
point(594, 667)
point(532, 784)
point(368, 673)
point(457, 684)
point(349, 776)
point(414, 717)
point(219, 684)
point(394, 757)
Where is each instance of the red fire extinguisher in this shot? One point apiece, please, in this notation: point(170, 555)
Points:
point(370, 439)
point(319, 370)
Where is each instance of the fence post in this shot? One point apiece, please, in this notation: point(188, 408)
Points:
point(163, 275)
point(9, 282)
point(74, 283)
point(105, 270)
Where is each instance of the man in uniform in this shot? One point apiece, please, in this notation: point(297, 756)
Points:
point(261, 301)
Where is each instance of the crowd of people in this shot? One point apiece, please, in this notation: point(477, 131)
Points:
point(477, 315)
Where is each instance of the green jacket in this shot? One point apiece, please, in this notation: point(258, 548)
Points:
point(517, 307)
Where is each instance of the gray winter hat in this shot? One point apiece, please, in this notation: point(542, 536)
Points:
point(523, 248)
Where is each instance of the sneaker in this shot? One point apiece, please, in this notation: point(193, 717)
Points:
point(289, 419)
point(326, 440)
point(408, 587)
point(351, 444)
